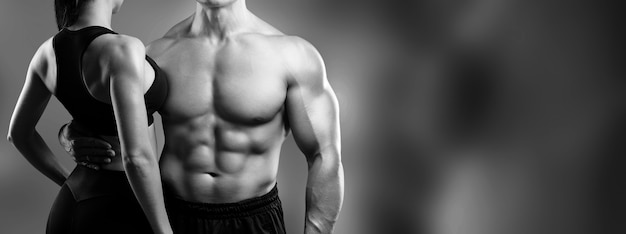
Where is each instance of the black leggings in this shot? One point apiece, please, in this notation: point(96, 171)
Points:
point(96, 202)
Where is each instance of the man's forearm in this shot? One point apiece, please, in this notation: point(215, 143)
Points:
point(86, 148)
point(324, 193)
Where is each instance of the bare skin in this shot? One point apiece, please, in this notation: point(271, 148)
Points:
point(237, 87)
point(115, 72)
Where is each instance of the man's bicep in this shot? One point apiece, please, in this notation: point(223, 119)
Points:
point(312, 108)
point(313, 118)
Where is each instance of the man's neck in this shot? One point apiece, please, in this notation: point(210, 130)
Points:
point(95, 13)
point(218, 23)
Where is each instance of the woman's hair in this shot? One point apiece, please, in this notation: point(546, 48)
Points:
point(67, 11)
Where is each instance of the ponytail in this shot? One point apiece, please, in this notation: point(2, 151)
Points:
point(67, 12)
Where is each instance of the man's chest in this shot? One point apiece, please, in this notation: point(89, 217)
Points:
point(244, 86)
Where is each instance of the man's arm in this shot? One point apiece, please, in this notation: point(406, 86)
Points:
point(85, 148)
point(313, 115)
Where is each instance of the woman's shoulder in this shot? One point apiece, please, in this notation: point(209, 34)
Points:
point(121, 53)
point(44, 53)
point(43, 62)
point(119, 43)
point(115, 48)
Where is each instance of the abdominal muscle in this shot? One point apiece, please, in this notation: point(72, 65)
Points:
point(194, 170)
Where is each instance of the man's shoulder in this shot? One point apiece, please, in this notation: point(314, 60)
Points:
point(298, 45)
point(179, 29)
point(290, 44)
point(158, 46)
point(298, 50)
point(302, 60)
point(263, 32)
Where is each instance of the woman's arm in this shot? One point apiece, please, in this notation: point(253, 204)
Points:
point(22, 133)
point(126, 67)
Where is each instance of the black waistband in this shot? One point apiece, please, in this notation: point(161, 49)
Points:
point(248, 207)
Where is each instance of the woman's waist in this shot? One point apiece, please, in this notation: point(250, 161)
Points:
point(87, 183)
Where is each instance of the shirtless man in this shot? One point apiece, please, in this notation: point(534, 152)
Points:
point(237, 87)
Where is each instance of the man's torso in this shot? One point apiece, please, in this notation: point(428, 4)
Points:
point(224, 117)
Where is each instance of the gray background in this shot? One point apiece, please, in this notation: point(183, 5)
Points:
point(470, 117)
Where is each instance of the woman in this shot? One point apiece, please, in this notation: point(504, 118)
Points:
point(111, 88)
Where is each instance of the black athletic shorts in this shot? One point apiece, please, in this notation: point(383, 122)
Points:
point(94, 202)
point(262, 214)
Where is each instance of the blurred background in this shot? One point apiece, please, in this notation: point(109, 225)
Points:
point(458, 116)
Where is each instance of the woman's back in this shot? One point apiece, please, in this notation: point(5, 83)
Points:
point(76, 66)
point(71, 89)
point(83, 76)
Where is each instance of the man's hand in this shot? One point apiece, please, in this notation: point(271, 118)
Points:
point(84, 148)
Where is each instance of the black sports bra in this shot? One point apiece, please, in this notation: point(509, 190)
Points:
point(87, 111)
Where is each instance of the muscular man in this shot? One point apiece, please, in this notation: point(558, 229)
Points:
point(237, 87)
